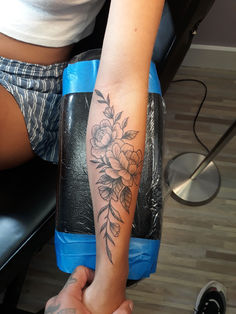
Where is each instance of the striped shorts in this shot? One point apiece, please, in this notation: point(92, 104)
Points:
point(37, 90)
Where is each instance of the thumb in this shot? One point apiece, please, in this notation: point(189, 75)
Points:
point(125, 308)
point(78, 280)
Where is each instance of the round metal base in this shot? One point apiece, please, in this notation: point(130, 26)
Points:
point(196, 192)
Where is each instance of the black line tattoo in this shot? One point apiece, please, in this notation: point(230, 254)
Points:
point(120, 167)
point(70, 280)
point(67, 311)
point(51, 309)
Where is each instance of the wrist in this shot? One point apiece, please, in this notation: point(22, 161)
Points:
point(114, 276)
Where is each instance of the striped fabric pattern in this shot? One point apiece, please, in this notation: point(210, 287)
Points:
point(37, 90)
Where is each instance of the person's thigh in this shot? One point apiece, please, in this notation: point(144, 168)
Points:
point(15, 147)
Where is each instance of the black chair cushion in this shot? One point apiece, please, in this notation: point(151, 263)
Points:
point(28, 197)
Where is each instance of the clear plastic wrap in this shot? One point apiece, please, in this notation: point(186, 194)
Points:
point(74, 237)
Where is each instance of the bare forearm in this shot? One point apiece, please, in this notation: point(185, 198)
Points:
point(129, 40)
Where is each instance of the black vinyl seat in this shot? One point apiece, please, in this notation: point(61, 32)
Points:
point(28, 192)
point(27, 214)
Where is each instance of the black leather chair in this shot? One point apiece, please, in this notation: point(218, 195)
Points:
point(28, 193)
point(27, 215)
point(186, 17)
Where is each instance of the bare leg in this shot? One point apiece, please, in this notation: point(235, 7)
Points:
point(15, 147)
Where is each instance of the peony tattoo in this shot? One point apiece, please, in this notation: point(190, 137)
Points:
point(120, 167)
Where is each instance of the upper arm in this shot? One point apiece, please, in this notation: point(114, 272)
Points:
point(129, 39)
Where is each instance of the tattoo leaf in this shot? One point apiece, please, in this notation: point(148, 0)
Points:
point(114, 196)
point(103, 227)
point(115, 214)
point(101, 171)
point(125, 198)
point(117, 185)
point(124, 123)
point(129, 135)
point(102, 210)
point(102, 101)
point(109, 238)
point(105, 179)
point(115, 229)
point(105, 192)
point(118, 116)
point(100, 165)
point(94, 161)
point(99, 93)
point(109, 253)
point(108, 100)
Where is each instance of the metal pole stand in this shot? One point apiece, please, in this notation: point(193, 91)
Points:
point(194, 178)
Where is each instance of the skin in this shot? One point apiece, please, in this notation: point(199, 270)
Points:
point(70, 298)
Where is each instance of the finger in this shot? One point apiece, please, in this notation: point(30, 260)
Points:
point(84, 275)
point(51, 305)
point(125, 308)
point(79, 278)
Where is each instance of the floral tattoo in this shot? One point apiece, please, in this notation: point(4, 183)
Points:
point(120, 167)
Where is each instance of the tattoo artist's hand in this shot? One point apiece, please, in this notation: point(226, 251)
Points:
point(69, 300)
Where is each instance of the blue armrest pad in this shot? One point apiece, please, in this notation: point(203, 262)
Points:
point(73, 250)
point(80, 77)
point(80, 249)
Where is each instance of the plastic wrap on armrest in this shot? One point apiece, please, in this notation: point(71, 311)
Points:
point(74, 206)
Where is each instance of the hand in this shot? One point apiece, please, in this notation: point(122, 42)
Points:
point(69, 300)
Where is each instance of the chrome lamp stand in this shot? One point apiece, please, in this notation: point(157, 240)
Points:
point(193, 178)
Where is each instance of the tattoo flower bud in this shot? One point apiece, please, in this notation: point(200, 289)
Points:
point(115, 229)
point(109, 112)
